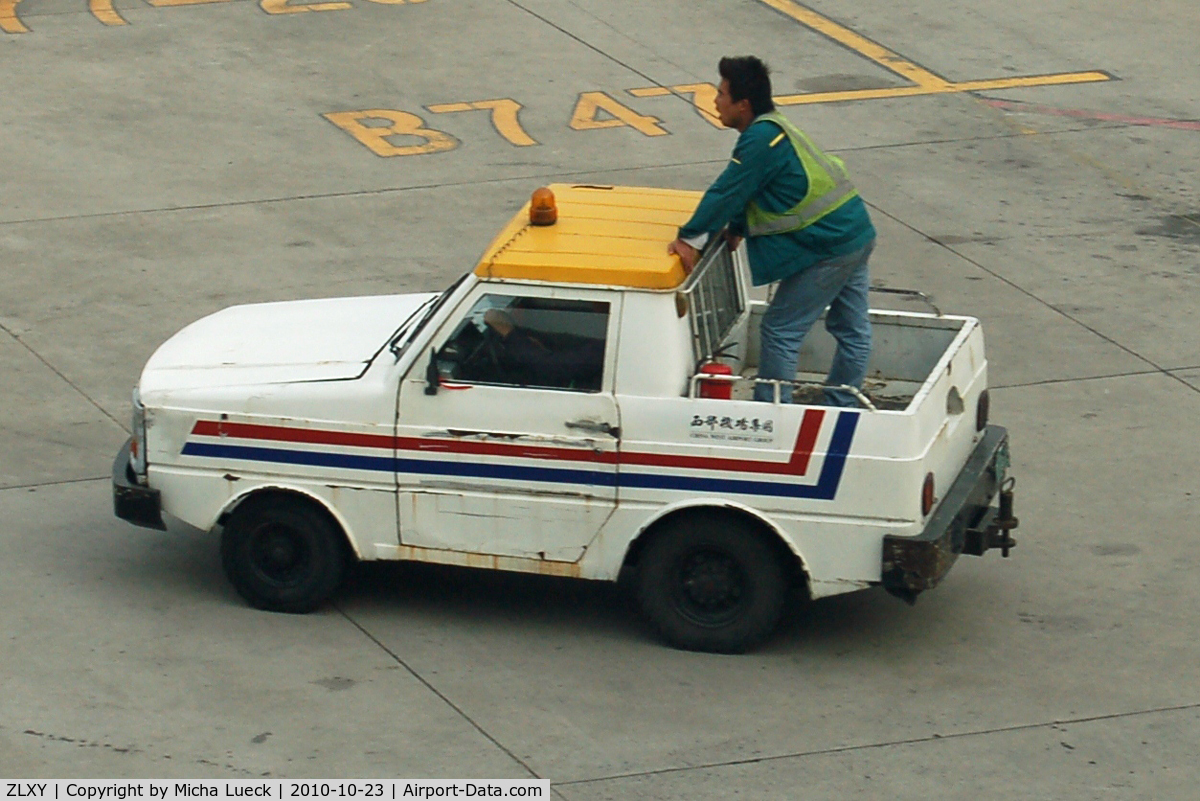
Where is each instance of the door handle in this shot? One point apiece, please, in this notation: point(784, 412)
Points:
point(592, 427)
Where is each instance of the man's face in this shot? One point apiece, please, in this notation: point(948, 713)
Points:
point(732, 114)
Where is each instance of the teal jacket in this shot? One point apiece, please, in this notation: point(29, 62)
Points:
point(774, 177)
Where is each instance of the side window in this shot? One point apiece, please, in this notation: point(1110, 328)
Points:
point(528, 342)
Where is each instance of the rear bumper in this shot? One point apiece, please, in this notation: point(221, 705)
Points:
point(965, 523)
point(139, 505)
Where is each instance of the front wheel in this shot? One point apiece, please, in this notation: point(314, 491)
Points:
point(283, 554)
point(712, 584)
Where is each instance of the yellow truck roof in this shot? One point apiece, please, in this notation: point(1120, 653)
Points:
point(605, 235)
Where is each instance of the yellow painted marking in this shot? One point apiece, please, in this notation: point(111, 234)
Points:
point(860, 44)
point(504, 117)
point(103, 10)
point(9, 21)
point(926, 82)
point(704, 98)
point(281, 6)
point(1032, 80)
point(855, 94)
point(375, 137)
point(591, 103)
point(965, 86)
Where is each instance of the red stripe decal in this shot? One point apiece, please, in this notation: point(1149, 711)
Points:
point(797, 465)
point(213, 428)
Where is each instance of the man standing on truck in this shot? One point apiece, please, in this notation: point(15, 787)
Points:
point(805, 227)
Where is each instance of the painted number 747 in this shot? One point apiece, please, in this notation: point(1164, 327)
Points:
point(375, 128)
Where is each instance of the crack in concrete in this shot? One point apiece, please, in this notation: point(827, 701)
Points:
point(54, 483)
point(1157, 367)
point(888, 744)
point(81, 742)
point(35, 14)
point(387, 190)
point(583, 9)
point(60, 374)
point(601, 52)
point(1126, 374)
point(982, 138)
point(543, 177)
point(440, 695)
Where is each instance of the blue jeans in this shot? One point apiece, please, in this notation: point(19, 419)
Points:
point(841, 284)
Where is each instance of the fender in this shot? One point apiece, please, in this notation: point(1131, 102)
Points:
point(716, 503)
point(294, 489)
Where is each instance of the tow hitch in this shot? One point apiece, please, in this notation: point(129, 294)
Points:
point(965, 524)
point(997, 533)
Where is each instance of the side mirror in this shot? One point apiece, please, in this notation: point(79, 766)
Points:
point(432, 376)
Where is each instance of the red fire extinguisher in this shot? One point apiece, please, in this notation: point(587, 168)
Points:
point(710, 388)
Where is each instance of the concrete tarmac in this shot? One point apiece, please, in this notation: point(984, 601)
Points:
point(1031, 164)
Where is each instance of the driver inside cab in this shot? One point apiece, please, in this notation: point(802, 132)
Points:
point(531, 360)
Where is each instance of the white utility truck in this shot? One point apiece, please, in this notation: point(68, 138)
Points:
point(576, 405)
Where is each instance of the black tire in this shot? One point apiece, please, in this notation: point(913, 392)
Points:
point(283, 554)
point(712, 584)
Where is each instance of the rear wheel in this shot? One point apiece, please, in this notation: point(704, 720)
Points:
point(283, 554)
point(712, 584)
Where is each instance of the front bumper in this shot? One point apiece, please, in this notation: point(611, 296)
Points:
point(139, 505)
point(965, 523)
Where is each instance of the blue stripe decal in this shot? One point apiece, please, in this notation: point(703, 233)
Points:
point(839, 449)
point(553, 475)
point(388, 464)
point(825, 489)
point(348, 461)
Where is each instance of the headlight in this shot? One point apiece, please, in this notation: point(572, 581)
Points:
point(137, 448)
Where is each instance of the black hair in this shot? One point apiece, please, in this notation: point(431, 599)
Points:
point(749, 79)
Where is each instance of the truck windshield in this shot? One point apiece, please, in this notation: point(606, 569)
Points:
point(416, 321)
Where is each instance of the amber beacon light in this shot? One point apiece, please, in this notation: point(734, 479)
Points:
point(542, 208)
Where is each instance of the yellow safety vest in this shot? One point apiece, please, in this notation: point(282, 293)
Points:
point(828, 186)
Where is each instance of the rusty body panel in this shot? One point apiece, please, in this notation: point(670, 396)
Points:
point(516, 564)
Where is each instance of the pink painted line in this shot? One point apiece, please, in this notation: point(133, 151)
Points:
point(1157, 122)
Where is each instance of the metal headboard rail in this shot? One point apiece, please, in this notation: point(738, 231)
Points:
point(714, 298)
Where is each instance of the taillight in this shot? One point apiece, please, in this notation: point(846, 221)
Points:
point(981, 411)
point(927, 496)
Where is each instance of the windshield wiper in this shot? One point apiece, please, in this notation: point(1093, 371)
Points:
point(407, 332)
point(396, 346)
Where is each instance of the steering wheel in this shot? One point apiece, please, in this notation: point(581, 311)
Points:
point(486, 353)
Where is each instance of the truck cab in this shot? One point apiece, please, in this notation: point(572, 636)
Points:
point(575, 405)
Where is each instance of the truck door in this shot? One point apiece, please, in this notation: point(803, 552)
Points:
point(516, 453)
